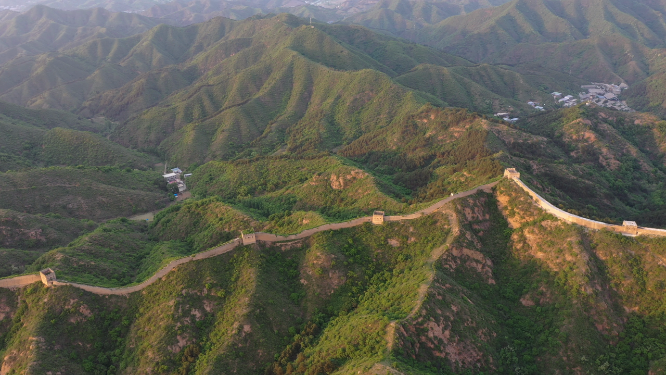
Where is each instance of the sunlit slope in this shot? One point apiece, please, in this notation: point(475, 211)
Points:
point(599, 163)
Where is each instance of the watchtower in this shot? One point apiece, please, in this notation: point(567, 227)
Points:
point(249, 238)
point(511, 173)
point(630, 227)
point(48, 276)
point(378, 217)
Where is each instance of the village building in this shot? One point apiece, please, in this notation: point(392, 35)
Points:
point(174, 178)
point(605, 95)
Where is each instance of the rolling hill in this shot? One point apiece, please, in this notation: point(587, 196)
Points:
point(284, 58)
point(120, 78)
point(36, 138)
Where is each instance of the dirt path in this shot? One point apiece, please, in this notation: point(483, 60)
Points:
point(265, 237)
point(423, 289)
point(148, 216)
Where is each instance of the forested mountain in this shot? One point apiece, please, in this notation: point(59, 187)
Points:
point(203, 84)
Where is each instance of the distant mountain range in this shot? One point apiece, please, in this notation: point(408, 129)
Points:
point(223, 86)
point(603, 40)
point(43, 29)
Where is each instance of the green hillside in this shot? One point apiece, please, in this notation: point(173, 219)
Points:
point(25, 237)
point(173, 87)
point(118, 252)
point(599, 163)
point(286, 126)
point(352, 70)
point(279, 189)
point(89, 149)
point(24, 129)
point(36, 138)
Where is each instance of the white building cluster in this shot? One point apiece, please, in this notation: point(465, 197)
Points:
point(566, 101)
point(174, 178)
point(605, 95)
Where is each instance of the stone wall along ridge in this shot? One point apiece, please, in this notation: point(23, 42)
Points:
point(584, 222)
point(21, 281)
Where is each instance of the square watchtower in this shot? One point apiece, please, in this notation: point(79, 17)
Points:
point(378, 217)
point(511, 173)
point(48, 276)
point(630, 227)
point(249, 238)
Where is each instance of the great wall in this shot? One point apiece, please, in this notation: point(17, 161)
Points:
point(47, 276)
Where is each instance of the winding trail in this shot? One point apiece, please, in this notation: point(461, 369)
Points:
point(21, 281)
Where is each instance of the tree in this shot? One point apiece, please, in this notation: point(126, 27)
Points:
point(172, 188)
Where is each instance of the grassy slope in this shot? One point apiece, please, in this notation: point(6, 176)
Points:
point(33, 234)
point(118, 252)
point(34, 138)
point(273, 189)
point(71, 147)
point(93, 193)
